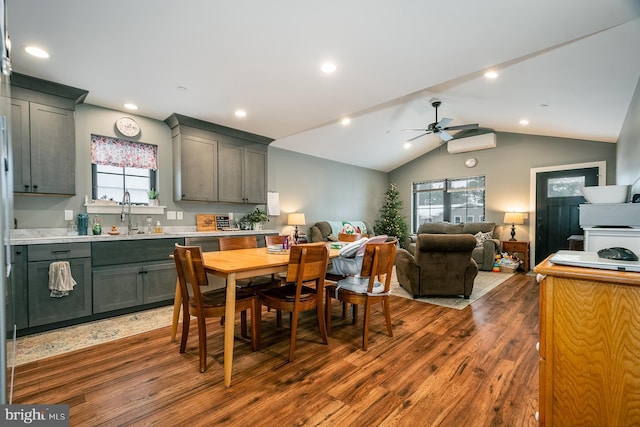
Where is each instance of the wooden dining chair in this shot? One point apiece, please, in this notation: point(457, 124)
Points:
point(273, 240)
point(191, 276)
point(307, 263)
point(377, 267)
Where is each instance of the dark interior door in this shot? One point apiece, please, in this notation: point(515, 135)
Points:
point(557, 198)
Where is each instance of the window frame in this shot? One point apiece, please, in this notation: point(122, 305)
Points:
point(153, 174)
point(445, 187)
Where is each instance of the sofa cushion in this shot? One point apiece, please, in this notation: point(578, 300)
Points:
point(482, 237)
point(475, 227)
point(434, 228)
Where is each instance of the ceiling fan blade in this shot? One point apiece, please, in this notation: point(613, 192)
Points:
point(419, 136)
point(461, 127)
point(444, 136)
point(444, 122)
point(415, 130)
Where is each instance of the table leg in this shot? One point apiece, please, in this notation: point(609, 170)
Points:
point(230, 315)
point(177, 303)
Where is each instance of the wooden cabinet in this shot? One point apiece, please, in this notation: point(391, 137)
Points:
point(132, 285)
point(44, 309)
point(215, 163)
point(133, 273)
point(242, 174)
point(195, 168)
point(16, 303)
point(589, 346)
point(43, 135)
point(520, 248)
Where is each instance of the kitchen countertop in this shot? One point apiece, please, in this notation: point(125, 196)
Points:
point(58, 235)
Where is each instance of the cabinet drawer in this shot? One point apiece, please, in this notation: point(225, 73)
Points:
point(133, 251)
point(58, 251)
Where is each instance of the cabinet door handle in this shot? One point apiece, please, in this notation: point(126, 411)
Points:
point(66, 251)
point(26, 187)
point(35, 186)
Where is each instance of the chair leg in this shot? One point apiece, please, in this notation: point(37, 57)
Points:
point(202, 343)
point(177, 303)
point(186, 318)
point(294, 330)
point(278, 317)
point(354, 314)
point(243, 324)
point(365, 331)
point(387, 314)
point(321, 322)
point(327, 309)
point(256, 323)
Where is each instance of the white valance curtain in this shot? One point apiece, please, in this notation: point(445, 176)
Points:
point(119, 152)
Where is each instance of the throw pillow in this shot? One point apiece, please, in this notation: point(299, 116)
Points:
point(348, 228)
point(482, 237)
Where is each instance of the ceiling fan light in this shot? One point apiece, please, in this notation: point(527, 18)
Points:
point(491, 74)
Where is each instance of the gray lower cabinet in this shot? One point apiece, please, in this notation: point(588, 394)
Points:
point(133, 273)
point(44, 309)
point(131, 285)
point(16, 302)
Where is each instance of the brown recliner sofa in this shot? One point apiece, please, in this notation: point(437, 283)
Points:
point(484, 254)
point(322, 231)
point(442, 265)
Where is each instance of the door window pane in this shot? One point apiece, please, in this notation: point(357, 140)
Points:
point(565, 187)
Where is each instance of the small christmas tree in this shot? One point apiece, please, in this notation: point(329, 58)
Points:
point(391, 221)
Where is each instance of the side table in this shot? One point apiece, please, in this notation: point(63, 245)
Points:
point(520, 248)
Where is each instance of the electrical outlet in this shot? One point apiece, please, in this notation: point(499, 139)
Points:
point(171, 215)
point(68, 215)
point(180, 215)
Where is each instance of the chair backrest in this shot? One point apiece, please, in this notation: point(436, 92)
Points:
point(198, 264)
point(378, 261)
point(273, 240)
point(186, 268)
point(308, 262)
point(242, 242)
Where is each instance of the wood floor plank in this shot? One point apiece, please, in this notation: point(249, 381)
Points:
point(477, 366)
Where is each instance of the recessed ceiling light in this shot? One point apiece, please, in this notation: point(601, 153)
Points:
point(131, 106)
point(524, 122)
point(241, 113)
point(328, 67)
point(491, 74)
point(407, 145)
point(345, 121)
point(37, 52)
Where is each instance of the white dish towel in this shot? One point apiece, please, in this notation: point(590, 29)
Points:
point(60, 280)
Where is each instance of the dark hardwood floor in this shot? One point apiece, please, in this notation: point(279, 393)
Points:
point(442, 367)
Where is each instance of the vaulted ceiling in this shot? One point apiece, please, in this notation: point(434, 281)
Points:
point(569, 67)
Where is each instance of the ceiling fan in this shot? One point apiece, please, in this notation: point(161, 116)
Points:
point(440, 127)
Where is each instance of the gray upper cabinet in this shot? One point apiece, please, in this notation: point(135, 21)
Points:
point(195, 168)
point(43, 135)
point(242, 174)
point(214, 163)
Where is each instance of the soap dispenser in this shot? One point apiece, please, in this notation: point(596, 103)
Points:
point(97, 227)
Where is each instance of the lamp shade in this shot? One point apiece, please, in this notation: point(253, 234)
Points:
point(296, 219)
point(513, 218)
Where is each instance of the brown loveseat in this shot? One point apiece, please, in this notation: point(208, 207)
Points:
point(484, 253)
point(441, 265)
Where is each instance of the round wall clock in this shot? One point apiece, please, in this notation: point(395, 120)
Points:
point(470, 162)
point(127, 126)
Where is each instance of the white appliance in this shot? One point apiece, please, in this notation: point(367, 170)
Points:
point(6, 197)
point(472, 143)
point(592, 260)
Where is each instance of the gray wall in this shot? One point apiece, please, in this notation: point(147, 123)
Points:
point(506, 168)
point(628, 155)
point(323, 190)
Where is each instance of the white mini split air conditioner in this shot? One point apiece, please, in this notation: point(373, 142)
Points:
point(472, 143)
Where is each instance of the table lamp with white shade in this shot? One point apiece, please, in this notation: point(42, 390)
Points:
point(296, 219)
point(513, 218)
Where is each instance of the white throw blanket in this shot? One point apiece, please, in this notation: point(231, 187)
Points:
point(60, 280)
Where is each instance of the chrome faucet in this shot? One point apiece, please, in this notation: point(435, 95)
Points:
point(126, 201)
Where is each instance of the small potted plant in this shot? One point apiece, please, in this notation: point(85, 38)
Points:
point(153, 197)
point(257, 218)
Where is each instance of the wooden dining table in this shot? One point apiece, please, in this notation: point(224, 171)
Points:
point(240, 264)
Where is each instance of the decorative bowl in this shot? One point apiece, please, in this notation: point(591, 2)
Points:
point(606, 194)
